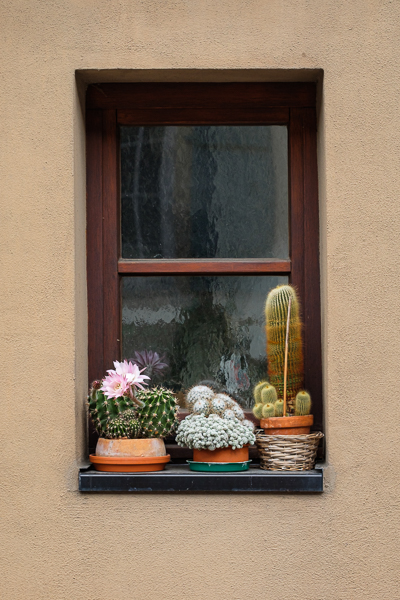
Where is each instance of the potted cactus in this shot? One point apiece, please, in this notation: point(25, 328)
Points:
point(281, 403)
point(131, 421)
point(216, 430)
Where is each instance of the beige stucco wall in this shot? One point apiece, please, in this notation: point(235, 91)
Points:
point(58, 544)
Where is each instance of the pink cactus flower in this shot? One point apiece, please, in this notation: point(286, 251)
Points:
point(115, 385)
point(131, 372)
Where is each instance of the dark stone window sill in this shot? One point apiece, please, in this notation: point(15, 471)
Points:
point(178, 478)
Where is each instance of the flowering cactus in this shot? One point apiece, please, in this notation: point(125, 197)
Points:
point(153, 415)
point(103, 409)
point(123, 380)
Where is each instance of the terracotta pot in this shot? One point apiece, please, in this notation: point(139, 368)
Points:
point(222, 455)
point(287, 425)
point(124, 447)
point(127, 456)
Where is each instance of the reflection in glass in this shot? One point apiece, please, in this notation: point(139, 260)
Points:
point(204, 192)
point(206, 328)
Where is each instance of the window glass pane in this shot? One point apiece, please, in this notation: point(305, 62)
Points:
point(207, 327)
point(204, 192)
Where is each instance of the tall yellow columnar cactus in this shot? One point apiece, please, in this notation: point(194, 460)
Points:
point(276, 312)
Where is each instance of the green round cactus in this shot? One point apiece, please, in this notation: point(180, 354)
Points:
point(302, 404)
point(279, 408)
point(158, 416)
point(102, 409)
point(268, 394)
point(257, 410)
point(126, 425)
point(268, 410)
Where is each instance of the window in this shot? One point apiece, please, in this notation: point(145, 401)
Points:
point(201, 198)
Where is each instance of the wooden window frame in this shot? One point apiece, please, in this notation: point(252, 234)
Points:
point(111, 105)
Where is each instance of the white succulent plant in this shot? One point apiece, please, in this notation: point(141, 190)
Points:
point(201, 407)
point(209, 433)
point(198, 392)
point(249, 424)
point(202, 400)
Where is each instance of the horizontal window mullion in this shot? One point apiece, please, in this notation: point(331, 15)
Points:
point(204, 267)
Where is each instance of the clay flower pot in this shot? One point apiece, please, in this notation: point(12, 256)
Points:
point(287, 425)
point(127, 456)
point(222, 455)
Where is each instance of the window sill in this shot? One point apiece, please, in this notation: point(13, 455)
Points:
point(178, 478)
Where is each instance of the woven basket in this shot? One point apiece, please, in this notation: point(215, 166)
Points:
point(287, 452)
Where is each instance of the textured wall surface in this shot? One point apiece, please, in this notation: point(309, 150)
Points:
point(60, 545)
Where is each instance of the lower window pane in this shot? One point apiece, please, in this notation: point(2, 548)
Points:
point(206, 328)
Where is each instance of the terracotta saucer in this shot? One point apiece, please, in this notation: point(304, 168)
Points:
point(130, 464)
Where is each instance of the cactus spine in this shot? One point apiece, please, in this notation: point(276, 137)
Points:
point(279, 408)
point(303, 404)
point(103, 410)
point(276, 310)
point(217, 406)
point(126, 425)
point(268, 410)
point(257, 410)
point(239, 414)
point(201, 407)
point(199, 392)
point(257, 391)
point(158, 416)
point(268, 395)
point(228, 414)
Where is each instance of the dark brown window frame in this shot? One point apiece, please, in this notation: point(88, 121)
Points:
point(111, 105)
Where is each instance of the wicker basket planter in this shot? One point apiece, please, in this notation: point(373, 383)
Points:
point(288, 452)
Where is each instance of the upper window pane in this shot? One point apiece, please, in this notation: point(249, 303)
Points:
point(204, 191)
